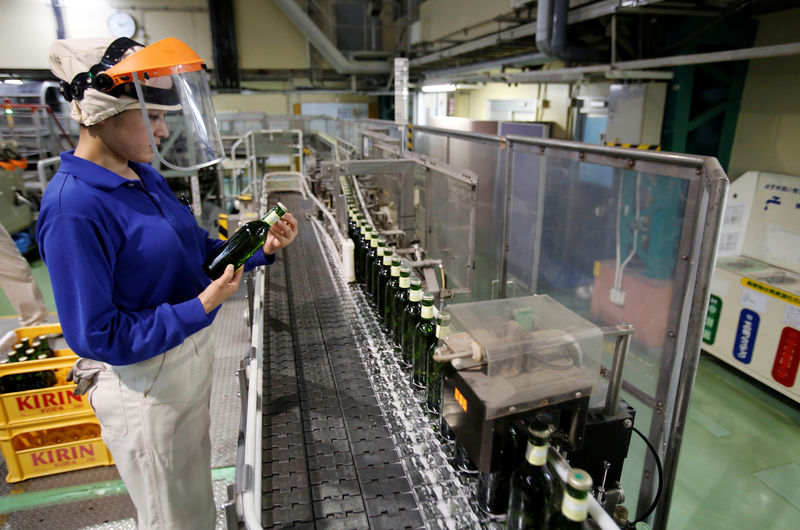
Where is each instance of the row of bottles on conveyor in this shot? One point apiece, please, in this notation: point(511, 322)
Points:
point(530, 494)
point(537, 499)
point(534, 498)
point(405, 312)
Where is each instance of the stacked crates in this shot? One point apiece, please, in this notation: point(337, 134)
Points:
point(44, 428)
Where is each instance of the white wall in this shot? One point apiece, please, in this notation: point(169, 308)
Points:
point(28, 27)
point(551, 102)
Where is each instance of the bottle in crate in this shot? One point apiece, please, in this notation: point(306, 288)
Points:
point(55, 436)
point(90, 430)
point(74, 433)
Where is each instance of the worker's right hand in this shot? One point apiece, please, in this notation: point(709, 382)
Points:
point(220, 289)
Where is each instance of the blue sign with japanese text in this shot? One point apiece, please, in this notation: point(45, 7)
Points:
point(746, 336)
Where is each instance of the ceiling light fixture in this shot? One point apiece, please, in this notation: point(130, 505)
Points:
point(439, 88)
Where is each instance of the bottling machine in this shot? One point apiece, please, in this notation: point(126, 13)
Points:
point(332, 433)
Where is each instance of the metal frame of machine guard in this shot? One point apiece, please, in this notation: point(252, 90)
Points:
point(707, 186)
point(406, 167)
point(249, 139)
point(697, 251)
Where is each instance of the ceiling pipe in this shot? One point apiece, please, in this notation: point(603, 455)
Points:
point(516, 61)
point(544, 26)
point(613, 71)
point(560, 47)
point(325, 47)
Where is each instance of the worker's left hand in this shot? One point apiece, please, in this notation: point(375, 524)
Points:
point(281, 234)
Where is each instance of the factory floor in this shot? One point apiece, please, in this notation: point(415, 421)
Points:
point(739, 464)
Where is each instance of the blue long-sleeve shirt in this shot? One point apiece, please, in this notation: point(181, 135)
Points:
point(125, 260)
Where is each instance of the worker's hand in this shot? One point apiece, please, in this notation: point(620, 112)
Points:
point(281, 234)
point(220, 289)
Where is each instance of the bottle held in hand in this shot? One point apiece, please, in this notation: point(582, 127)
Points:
point(244, 243)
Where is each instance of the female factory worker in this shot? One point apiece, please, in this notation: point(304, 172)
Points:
point(125, 259)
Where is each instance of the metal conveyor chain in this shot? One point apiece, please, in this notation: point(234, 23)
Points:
point(328, 458)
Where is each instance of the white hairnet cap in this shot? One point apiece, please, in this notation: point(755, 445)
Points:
point(73, 56)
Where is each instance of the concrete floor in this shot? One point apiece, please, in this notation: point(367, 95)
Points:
point(740, 461)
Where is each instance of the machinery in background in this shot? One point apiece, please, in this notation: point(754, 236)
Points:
point(17, 207)
point(753, 320)
point(456, 201)
point(636, 285)
point(513, 360)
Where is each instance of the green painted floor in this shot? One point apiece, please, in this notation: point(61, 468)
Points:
point(740, 462)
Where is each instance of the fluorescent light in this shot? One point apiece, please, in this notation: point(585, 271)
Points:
point(439, 88)
point(13, 81)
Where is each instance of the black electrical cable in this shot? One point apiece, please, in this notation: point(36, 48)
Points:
point(660, 477)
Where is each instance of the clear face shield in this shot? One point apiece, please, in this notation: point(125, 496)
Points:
point(180, 119)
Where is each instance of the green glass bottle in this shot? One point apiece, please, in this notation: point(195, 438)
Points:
point(351, 223)
point(40, 379)
point(45, 346)
point(369, 258)
point(575, 504)
point(21, 380)
point(244, 243)
point(492, 491)
point(6, 383)
point(382, 278)
point(424, 342)
point(391, 289)
point(531, 484)
point(399, 301)
point(433, 387)
point(409, 322)
point(359, 242)
point(375, 268)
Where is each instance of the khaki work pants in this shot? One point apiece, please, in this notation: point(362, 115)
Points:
point(16, 279)
point(155, 421)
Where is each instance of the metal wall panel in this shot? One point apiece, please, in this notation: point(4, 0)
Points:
point(432, 145)
point(451, 225)
point(485, 159)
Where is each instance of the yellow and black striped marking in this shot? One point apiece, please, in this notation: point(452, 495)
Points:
point(222, 225)
point(644, 147)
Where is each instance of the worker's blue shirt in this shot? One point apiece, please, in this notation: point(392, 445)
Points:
point(125, 260)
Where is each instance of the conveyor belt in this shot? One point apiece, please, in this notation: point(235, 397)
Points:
point(328, 458)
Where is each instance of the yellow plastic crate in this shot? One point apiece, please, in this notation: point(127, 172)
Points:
point(26, 460)
point(41, 403)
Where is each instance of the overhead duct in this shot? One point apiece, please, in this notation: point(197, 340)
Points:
point(325, 47)
point(560, 47)
point(551, 34)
